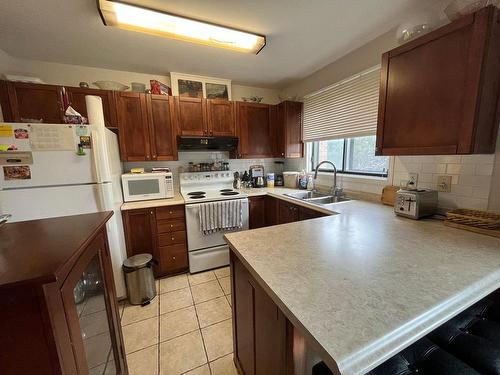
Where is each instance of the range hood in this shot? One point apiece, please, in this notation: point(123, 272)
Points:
point(207, 143)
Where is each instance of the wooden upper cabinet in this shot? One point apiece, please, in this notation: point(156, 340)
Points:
point(29, 101)
point(191, 116)
point(133, 126)
point(221, 119)
point(289, 130)
point(77, 101)
point(254, 130)
point(162, 127)
point(439, 93)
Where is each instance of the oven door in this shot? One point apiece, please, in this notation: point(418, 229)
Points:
point(196, 239)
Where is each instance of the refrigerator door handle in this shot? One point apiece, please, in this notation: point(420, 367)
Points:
point(96, 157)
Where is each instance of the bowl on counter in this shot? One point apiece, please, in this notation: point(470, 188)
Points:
point(110, 85)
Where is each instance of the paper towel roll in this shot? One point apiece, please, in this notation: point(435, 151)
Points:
point(95, 112)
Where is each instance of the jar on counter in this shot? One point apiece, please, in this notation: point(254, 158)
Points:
point(291, 179)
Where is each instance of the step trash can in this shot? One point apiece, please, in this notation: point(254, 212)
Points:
point(141, 288)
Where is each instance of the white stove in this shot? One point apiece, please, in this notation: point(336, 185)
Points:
point(199, 187)
point(208, 251)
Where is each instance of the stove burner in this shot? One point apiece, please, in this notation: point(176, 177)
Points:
point(225, 190)
point(229, 193)
point(197, 193)
point(200, 196)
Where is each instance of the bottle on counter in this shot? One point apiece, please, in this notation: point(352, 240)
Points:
point(270, 180)
point(310, 183)
point(303, 180)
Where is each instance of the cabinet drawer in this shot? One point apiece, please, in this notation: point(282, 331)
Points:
point(170, 212)
point(166, 239)
point(168, 226)
point(173, 258)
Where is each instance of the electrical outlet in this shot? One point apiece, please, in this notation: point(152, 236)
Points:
point(444, 184)
point(412, 180)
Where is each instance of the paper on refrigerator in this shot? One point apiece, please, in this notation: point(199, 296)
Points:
point(52, 138)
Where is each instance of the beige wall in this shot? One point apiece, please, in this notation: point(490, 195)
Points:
point(358, 60)
point(72, 75)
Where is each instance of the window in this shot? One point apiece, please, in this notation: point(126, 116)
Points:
point(350, 156)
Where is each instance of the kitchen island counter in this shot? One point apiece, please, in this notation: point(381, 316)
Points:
point(363, 285)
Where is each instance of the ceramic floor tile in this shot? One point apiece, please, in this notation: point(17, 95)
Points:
point(218, 339)
point(213, 311)
point(224, 366)
point(203, 370)
point(94, 324)
point(225, 283)
point(175, 300)
point(173, 283)
point(229, 299)
point(97, 349)
point(140, 335)
point(206, 291)
point(182, 354)
point(222, 272)
point(135, 313)
point(177, 323)
point(143, 362)
point(201, 277)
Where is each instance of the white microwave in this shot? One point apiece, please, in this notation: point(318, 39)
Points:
point(145, 186)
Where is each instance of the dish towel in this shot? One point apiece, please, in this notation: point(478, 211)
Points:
point(221, 216)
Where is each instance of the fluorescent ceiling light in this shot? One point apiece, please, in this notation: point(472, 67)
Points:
point(136, 18)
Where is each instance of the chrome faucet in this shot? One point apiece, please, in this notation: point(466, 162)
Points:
point(336, 192)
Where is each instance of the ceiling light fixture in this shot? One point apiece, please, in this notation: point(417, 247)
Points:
point(136, 18)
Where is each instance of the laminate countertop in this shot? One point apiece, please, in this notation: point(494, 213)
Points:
point(364, 284)
point(176, 200)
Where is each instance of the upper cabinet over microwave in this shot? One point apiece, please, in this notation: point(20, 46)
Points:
point(439, 94)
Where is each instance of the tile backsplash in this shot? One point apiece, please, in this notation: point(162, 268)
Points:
point(470, 177)
point(201, 157)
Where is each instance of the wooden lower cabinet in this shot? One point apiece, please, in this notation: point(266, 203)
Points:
point(160, 232)
point(257, 212)
point(260, 335)
point(307, 213)
point(287, 212)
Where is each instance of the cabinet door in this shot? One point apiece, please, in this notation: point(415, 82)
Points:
point(191, 116)
point(292, 125)
point(140, 231)
point(90, 301)
point(133, 126)
point(257, 212)
point(287, 212)
point(77, 100)
point(272, 211)
point(29, 101)
point(429, 102)
point(221, 120)
point(162, 128)
point(307, 213)
point(254, 130)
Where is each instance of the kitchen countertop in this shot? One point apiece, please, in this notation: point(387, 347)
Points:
point(364, 284)
point(176, 200)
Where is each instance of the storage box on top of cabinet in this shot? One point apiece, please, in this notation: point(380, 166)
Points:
point(439, 94)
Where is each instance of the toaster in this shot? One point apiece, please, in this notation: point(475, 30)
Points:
point(416, 203)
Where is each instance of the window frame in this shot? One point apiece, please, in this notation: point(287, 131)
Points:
point(313, 148)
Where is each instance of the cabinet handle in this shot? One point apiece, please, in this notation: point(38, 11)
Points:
point(151, 212)
point(170, 212)
point(171, 225)
point(147, 157)
point(282, 154)
point(172, 238)
point(173, 258)
point(154, 156)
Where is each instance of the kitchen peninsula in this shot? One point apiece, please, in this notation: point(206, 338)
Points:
point(358, 287)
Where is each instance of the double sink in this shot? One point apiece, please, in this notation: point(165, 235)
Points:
point(315, 197)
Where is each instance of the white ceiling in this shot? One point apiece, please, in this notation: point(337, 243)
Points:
point(302, 35)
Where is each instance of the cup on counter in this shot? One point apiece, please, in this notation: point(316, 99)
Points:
point(270, 180)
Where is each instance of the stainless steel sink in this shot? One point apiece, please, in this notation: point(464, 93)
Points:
point(305, 195)
point(327, 200)
point(317, 198)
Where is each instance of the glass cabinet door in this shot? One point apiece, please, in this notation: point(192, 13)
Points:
point(90, 299)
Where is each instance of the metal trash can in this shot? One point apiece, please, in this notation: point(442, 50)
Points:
point(141, 288)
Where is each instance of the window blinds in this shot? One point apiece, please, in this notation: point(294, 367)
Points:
point(344, 110)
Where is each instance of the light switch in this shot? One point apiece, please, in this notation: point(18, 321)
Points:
point(444, 184)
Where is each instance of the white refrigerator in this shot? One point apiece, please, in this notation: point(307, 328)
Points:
point(60, 181)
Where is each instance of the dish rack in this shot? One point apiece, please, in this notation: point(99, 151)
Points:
point(474, 218)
